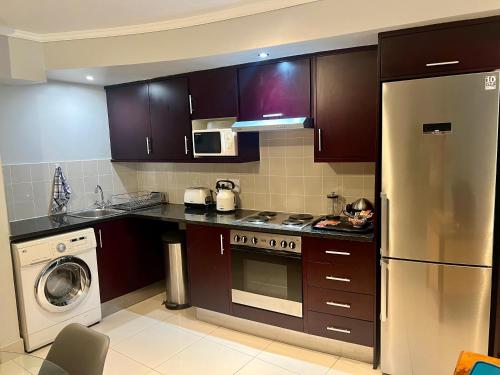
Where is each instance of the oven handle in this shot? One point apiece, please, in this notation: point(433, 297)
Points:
point(255, 250)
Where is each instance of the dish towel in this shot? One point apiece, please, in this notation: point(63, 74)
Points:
point(61, 192)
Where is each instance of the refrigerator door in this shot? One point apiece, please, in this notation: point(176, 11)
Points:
point(430, 313)
point(439, 147)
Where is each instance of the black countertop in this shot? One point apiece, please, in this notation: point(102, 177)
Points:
point(49, 225)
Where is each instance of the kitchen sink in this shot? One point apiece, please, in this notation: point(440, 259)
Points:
point(95, 213)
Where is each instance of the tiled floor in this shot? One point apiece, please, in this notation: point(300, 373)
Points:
point(150, 340)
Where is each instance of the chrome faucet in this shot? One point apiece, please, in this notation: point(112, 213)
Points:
point(102, 203)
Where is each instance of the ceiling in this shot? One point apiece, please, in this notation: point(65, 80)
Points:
point(42, 17)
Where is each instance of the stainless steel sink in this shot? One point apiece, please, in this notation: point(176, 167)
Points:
point(95, 213)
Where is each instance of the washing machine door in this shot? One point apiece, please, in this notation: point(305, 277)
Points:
point(63, 284)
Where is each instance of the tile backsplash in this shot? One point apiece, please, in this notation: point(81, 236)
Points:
point(285, 179)
point(28, 187)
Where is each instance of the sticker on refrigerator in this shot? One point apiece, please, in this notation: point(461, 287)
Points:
point(490, 82)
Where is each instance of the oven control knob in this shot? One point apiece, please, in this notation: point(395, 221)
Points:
point(272, 243)
point(61, 247)
point(255, 240)
point(283, 244)
point(244, 239)
point(236, 238)
point(292, 245)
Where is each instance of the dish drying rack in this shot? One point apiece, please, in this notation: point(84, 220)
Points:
point(137, 200)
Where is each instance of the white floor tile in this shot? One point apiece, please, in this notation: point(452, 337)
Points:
point(205, 357)
point(186, 319)
point(299, 360)
point(12, 368)
point(249, 344)
point(160, 297)
point(42, 352)
point(156, 344)
point(345, 366)
point(118, 364)
point(152, 308)
point(123, 324)
point(258, 367)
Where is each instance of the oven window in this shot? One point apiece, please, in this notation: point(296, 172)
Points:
point(267, 274)
point(207, 143)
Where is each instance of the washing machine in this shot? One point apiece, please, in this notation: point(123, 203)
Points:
point(56, 284)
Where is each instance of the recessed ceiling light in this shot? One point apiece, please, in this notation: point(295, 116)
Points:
point(89, 78)
point(263, 55)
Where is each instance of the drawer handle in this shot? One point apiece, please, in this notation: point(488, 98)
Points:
point(343, 279)
point(443, 63)
point(336, 304)
point(333, 252)
point(341, 330)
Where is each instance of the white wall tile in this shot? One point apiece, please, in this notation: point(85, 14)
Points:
point(20, 173)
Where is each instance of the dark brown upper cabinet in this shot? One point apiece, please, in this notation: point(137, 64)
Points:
point(129, 121)
point(214, 93)
point(275, 90)
point(448, 48)
point(170, 122)
point(346, 105)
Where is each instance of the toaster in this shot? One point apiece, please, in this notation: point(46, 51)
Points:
point(198, 197)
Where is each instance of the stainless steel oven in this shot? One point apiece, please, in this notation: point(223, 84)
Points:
point(267, 271)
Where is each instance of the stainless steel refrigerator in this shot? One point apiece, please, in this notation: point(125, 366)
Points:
point(439, 160)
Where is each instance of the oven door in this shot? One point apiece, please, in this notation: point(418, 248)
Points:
point(267, 279)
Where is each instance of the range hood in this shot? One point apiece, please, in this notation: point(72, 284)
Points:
point(273, 124)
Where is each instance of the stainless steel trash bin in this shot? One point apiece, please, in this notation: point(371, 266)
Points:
point(175, 270)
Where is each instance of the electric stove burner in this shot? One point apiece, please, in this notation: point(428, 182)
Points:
point(257, 219)
point(301, 217)
point(292, 222)
point(267, 213)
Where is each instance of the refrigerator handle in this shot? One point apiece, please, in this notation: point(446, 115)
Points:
point(384, 233)
point(384, 290)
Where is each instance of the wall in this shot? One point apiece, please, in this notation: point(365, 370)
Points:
point(53, 122)
point(9, 333)
point(285, 179)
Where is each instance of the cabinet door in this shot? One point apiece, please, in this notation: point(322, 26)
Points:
point(214, 94)
point(346, 106)
point(170, 122)
point(452, 48)
point(275, 90)
point(209, 267)
point(129, 121)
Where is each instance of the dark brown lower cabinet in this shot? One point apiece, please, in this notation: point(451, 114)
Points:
point(129, 256)
point(209, 261)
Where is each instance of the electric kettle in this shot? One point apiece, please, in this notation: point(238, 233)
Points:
point(226, 199)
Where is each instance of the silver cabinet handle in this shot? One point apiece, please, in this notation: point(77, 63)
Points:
point(334, 252)
point(384, 243)
point(343, 279)
point(337, 304)
point(148, 146)
point(384, 303)
point(320, 145)
point(221, 244)
point(272, 115)
point(341, 330)
point(100, 238)
point(453, 62)
point(190, 104)
point(186, 145)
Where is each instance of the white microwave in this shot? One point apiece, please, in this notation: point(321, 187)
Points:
point(215, 142)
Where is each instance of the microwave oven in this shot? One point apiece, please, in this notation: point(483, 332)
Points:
point(215, 142)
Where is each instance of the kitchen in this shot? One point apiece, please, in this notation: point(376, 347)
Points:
point(290, 138)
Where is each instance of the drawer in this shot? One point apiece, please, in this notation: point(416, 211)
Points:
point(351, 305)
point(455, 48)
point(360, 279)
point(340, 328)
point(349, 253)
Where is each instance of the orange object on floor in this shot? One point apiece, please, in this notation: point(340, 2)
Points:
point(467, 360)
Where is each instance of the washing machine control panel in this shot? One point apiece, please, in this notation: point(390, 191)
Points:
point(61, 247)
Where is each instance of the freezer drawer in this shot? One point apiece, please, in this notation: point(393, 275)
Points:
point(430, 313)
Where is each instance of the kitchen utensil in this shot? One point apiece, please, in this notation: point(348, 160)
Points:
point(198, 197)
point(357, 206)
point(226, 199)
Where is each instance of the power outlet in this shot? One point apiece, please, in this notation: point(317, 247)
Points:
point(235, 181)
